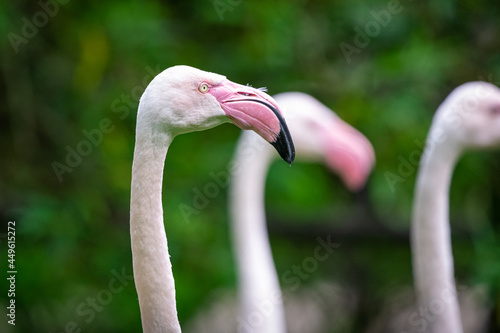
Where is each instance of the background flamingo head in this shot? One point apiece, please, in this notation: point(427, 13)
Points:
point(184, 99)
point(468, 118)
point(320, 135)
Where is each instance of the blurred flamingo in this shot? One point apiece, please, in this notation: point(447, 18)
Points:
point(319, 135)
point(468, 119)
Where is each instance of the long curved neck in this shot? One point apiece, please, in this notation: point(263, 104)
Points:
point(152, 268)
point(431, 242)
point(260, 294)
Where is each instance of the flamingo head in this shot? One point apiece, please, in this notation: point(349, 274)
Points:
point(320, 135)
point(184, 99)
point(469, 118)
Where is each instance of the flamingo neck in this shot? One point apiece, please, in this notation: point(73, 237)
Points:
point(260, 293)
point(152, 268)
point(431, 241)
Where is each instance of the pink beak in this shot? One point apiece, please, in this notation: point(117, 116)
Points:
point(253, 109)
point(348, 152)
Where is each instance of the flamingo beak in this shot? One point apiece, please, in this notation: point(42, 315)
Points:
point(253, 109)
point(348, 152)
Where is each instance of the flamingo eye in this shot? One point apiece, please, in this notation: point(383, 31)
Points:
point(203, 87)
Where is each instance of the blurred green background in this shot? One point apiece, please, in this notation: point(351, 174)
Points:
point(65, 66)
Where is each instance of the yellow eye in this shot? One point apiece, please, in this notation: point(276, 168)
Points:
point(203, 87)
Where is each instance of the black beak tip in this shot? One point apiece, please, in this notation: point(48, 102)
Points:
point(284, 145)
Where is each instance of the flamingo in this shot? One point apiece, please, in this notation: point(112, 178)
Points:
point(182, 99)
point(468, 119)
point(319, 135)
